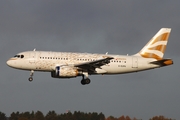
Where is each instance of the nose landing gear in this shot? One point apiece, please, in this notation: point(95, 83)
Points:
point(31, 76)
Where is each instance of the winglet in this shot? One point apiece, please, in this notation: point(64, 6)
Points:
point(156, 47)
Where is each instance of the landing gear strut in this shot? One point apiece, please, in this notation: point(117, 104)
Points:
point(31, 76)
point(85, 79)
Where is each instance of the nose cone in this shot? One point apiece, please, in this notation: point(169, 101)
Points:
point(14, 63)
point(9, 63)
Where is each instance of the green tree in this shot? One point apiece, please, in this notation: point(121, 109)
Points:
point(78, 115)
point(39, 116)
point(25, 115)
point(32, 115)
point(94, 116)
point(2, 116)
point(69, 116)
point(51, 115)
point(101, 116)
point(14, 116)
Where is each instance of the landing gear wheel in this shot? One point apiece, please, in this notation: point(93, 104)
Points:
point(30, 79)
point(87, 81)
point(83, 82)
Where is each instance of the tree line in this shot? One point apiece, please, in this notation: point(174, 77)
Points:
point(77, 115)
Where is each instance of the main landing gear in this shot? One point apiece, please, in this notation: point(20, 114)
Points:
point(31, 76)
point(85, 80)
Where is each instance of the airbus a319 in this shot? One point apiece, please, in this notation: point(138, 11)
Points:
point(69, 64)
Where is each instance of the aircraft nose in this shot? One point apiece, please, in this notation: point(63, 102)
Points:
point(9, 63)
point(13, 63)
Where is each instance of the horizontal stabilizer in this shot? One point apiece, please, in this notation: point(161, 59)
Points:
point(163, 62)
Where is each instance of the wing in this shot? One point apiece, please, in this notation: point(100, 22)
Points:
point(91, 66)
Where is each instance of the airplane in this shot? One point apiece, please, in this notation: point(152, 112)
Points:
point(69, 64)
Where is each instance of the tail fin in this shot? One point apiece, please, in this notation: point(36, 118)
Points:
point(155, 48)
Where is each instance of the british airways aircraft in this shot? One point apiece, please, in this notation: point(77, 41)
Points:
point(69, 65)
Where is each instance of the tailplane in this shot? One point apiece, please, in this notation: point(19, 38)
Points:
point(155, 48)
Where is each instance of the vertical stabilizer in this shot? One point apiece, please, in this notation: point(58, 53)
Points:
point(155, 48)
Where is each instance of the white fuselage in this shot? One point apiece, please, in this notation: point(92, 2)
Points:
point(47, 61)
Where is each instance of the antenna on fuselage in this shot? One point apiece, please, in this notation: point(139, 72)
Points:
point(34, 49)
point(106, 53)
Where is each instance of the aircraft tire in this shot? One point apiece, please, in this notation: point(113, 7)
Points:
point(30, 79)
point(83, 82)
point(87, 81)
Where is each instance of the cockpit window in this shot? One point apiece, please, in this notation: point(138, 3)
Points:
point(22, 56)
point(19, 56)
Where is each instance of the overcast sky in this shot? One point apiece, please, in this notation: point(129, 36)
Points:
point(94, 26)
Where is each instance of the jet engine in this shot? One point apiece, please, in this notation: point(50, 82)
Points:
point(64, 72)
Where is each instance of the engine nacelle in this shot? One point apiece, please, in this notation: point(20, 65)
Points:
point(64, 72)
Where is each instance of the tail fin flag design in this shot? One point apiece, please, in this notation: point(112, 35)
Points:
point(155, 48)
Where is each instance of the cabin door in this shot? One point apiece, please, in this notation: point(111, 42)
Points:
point(134, 62)
point(32, 57)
